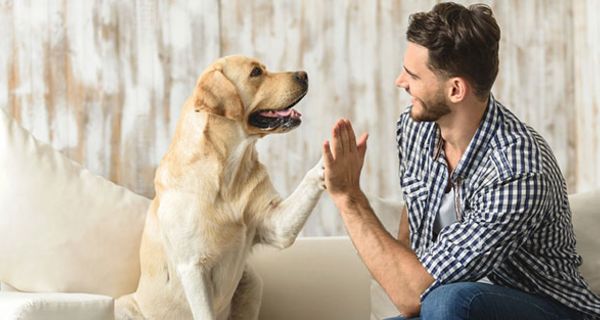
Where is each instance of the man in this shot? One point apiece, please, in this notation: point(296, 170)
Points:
point(486, 232)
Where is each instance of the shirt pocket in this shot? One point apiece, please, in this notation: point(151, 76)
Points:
point(414, 188)
point(415, 196)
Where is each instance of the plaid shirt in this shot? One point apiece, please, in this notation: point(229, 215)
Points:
point(514, 222)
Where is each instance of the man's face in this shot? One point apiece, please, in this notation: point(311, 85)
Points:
point(426, 89)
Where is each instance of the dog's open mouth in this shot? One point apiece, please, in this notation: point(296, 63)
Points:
point(270, 119)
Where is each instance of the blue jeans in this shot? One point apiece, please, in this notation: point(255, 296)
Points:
point(475, 301)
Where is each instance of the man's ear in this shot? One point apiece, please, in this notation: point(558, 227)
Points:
point(217, 95)
point(457, 89)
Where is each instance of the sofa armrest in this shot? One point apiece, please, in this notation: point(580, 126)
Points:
point(55, 306)
point(6, 287)
point(316, 278)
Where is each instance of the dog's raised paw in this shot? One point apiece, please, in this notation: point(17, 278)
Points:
point(322, 178)
point(317, 174)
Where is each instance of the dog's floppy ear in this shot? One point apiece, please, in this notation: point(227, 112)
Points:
point(217, 95)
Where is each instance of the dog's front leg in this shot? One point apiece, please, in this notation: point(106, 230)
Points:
point(196, 285)
point(286, 218)
point(178, 221)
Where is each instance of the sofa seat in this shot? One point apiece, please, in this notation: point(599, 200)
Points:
point(55, 306)
point(316, 278)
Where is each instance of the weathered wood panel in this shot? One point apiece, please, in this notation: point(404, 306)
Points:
point(536, 71)
point(587, 94)
point(103, 81)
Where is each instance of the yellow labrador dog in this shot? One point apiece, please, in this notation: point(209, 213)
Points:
point(214, 199)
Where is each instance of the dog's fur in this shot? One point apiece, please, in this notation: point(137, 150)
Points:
point(214, 199)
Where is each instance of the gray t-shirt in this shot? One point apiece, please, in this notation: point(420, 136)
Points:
point(447, 214)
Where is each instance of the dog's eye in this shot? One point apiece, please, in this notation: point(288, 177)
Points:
point(256, 72)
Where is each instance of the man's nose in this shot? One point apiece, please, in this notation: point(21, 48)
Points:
point(401, 80)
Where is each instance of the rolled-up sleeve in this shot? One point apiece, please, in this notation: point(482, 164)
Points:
point(498, 220)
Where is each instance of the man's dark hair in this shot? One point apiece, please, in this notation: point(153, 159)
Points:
point(461, 41)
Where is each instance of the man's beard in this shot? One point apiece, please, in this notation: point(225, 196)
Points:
point(431, 110)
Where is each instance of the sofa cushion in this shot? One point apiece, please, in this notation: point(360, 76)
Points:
point(388, 211)
point(585, 208)
point(381, 305)
point(55, 306)
point(62, 228)
point(316, 278)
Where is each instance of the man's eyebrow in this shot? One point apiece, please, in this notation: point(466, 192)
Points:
point(412, 74)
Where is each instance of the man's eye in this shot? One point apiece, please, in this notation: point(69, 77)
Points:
point(256, 72)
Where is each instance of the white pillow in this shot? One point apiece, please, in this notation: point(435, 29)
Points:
point(585, 208)
point(63, 229)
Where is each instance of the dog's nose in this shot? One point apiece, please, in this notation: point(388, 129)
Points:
point(301, 77)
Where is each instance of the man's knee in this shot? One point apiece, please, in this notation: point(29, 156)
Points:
point(450, 301)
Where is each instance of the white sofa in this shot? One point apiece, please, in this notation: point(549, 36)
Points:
point(69, 244)
point(317, 278)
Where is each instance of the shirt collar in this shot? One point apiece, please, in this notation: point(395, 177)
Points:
point(472, 155)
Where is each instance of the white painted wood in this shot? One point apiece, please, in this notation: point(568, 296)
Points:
point(587, 94)
point(104, 80)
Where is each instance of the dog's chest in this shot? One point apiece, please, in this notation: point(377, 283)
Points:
point(228, 271)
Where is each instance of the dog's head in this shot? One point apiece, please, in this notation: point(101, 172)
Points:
point(242, 89)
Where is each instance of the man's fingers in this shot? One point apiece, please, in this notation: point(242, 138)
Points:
point(351, 136)
point(362, 141)
point(327, 156)
point(344, 134)
point(362, 145)
point(344, 140)
point(336, 141)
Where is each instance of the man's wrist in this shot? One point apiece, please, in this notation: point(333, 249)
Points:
point(349, 200)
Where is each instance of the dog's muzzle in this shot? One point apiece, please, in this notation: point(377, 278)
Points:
point(286, 118)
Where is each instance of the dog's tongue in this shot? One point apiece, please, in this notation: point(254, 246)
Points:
point(282, 113)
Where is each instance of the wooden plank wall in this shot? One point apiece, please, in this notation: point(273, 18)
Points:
point(103, 80)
